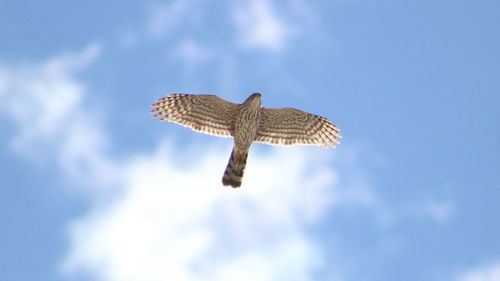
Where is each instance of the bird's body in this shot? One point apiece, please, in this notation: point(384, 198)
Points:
point(246, 123)
point(245, 130)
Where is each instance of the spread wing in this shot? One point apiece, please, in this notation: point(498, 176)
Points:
point(290, 126)
point(208, 114)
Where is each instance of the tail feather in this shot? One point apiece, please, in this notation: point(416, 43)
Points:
point(233, 175)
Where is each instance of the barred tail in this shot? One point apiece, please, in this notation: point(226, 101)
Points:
point(235, 169)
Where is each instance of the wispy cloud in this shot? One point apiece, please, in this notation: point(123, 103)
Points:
point(438, 211)
point(260, 27)
point(486, 272)
point(190, 54)
point(258, 24)
point(44, 101)
point(39, 98)
point(162, 18)
point(165, 17)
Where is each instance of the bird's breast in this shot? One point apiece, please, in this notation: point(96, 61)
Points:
point(246, 125)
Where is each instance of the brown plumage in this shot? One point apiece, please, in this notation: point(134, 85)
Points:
point(246, 123)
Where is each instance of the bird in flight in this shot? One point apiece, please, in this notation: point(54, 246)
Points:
point(246, 123)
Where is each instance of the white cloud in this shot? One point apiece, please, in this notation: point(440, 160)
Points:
point(179, 223)
point(439, 211)
point(163, 18)
point(40, 98)
point(260, 27)
point(259, 24)
point(190, 53)
point(485, 272)
point(82, 153)
point(44, 101)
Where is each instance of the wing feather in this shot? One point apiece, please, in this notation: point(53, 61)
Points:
point(290, 126)
point(208, 114)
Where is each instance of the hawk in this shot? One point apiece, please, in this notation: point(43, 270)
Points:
point(245, 123)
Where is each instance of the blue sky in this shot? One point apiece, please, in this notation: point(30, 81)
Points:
point(94, 189)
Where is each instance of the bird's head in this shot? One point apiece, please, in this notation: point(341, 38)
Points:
point(254, 100)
